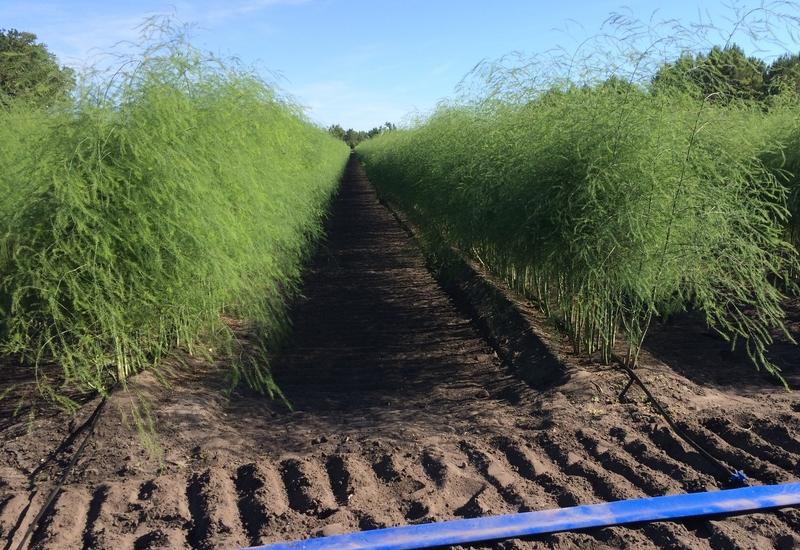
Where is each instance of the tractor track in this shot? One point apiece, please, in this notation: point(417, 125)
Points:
point(402, 414)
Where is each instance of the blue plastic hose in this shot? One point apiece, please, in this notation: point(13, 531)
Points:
point(463, 531)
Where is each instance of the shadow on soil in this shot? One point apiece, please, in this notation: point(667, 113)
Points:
point(701, 355)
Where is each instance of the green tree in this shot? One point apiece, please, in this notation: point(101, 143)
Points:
point(354, 137)
point(30, 72)
point(336, 131)
point(783, 75)
point(722, 74)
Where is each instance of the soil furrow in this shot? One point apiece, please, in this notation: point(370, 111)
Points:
point(63, 527)
point(609, 458)
point(752, 466)
point(260, 497)
point(743, 439)
point(307, 487)
point(656, 460)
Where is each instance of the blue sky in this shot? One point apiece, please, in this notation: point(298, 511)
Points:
point(355, 62)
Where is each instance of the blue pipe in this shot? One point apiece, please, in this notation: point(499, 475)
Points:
point(462, 531)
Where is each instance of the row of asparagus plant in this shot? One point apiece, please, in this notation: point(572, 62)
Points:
point(164, 200)
point(612, 204)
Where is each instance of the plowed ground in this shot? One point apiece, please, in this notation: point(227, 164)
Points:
point(404, 414)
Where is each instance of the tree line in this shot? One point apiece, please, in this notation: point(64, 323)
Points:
point(354, 137)
point(726, 73)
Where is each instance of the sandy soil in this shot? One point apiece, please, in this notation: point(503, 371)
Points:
point(403, 413)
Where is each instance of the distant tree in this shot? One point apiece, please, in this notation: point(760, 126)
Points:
point(783, 75)
point(722, 74)
point(29, 72)
point(336, 131)
point(354, 137)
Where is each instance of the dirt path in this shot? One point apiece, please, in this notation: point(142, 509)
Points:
point(402, 414)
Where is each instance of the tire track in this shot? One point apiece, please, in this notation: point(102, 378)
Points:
point(498, 476)
point(354, 482)
point(677, 450)
point(102, 527)
point(779, 434)
point(608, 486)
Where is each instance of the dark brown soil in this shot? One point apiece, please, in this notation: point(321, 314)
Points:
point(403, 413)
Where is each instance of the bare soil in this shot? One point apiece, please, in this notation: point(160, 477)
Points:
point(404, 413)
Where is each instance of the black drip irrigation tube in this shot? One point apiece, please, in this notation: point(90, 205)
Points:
point(730, 476)
point(88, 426)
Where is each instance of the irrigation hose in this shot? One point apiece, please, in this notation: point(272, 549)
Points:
point(621, 512)
point(88, 426)
point(733, 477)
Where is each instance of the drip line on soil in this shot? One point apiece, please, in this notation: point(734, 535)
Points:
point(88, 426)
point(733, 477)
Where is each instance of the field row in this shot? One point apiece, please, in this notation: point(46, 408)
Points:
point(612, 205)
